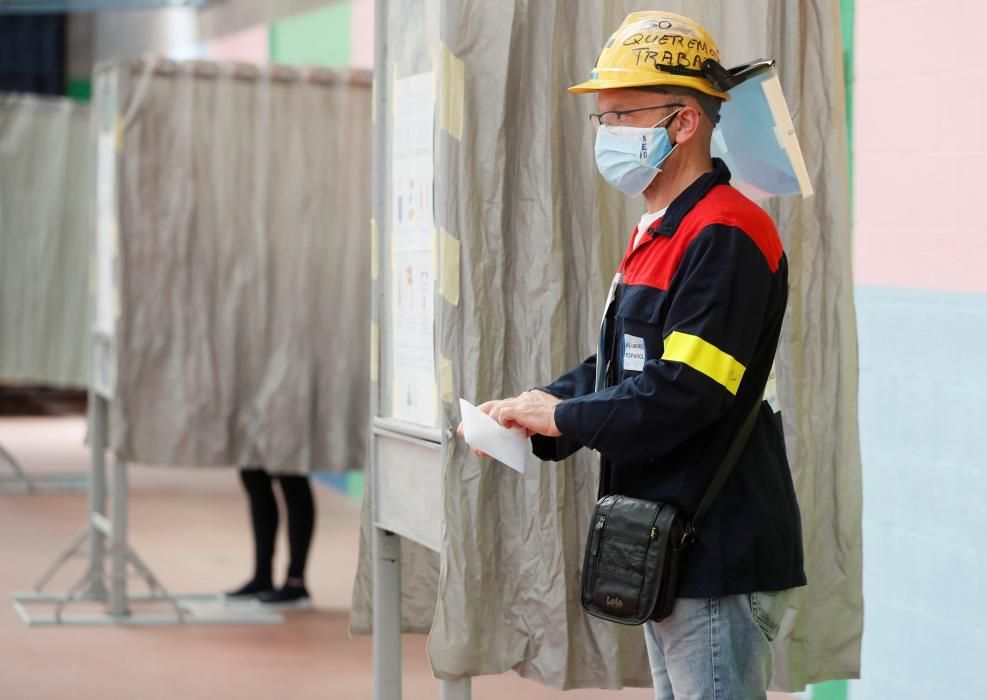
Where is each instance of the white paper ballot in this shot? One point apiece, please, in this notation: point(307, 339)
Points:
point(507, 445)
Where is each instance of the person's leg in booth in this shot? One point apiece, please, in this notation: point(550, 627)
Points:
point(264, 519)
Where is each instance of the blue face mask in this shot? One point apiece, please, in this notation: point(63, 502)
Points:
point(629, 157)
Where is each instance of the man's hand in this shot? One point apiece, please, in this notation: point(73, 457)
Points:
point(486, 408)
point(534, 411)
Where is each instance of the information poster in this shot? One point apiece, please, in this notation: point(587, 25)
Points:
point(412, 292)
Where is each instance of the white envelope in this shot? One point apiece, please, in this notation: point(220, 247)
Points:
point(507, 445)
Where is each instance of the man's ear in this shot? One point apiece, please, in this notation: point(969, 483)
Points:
point(688, 120)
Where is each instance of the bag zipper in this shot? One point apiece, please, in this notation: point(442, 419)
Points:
point(598, 533)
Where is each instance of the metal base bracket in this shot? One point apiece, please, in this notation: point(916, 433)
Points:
point(195, 609)
point(22, 482)
point(113, 604)
point(48, 482)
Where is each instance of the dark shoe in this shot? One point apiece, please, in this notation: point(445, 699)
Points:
point(250, 590)
point(287, 597)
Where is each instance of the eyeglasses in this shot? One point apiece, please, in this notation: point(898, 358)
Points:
point(616, 118)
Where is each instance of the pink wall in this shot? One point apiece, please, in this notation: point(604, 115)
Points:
point(920, 110)
point(362, 38)
point(250, 46)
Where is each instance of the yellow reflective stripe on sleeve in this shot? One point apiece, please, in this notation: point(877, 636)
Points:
point(704, 357)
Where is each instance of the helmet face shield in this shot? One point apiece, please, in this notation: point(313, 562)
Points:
point(655, 48)
point(757, 140)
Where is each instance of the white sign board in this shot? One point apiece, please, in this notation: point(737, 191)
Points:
point(412, 289)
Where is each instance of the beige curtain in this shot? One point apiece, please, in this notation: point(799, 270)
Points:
point(541, 237)
point(46, 194)
point(244, 196)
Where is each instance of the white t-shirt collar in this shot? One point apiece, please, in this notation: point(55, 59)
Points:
point(646, 221)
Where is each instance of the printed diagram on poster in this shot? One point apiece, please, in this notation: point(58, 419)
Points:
point(412, 303)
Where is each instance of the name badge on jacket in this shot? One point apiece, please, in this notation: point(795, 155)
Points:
point(633, 353)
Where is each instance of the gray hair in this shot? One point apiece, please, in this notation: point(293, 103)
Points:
point(709, 104)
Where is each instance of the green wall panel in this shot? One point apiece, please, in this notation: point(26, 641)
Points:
point(355, 485)
point(847, 17)
point(79, 89)
point(833, 690)
point(320, 37)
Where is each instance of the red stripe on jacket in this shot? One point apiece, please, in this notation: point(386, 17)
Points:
point(658, 260)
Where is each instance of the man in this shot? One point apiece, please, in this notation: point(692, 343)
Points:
point(692, 326)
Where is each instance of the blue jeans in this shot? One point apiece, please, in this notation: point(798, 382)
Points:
point(715, 648)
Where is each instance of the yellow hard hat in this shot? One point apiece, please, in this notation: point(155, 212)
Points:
point(657, 48)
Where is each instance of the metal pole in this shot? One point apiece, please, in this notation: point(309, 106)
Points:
point(386, 545)
point(456, 690)
point(387, 615)
point(19, 475)
point(98, 410)
point(118, 551)
point(379, 183)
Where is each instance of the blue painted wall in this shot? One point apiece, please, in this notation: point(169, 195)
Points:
point(923, 418)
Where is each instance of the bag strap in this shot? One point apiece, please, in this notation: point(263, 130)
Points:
point(723, 471)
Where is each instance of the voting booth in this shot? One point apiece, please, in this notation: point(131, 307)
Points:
point(230, 305)
point(506, 293)
point(45, 241)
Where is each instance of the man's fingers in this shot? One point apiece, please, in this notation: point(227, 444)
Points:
point(461, 431)
point(505, 416)
point(497, 411)
point(510, 413)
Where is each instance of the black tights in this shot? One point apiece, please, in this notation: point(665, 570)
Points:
point(264, 516)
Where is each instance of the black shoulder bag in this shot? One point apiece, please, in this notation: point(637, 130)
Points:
point(631, 567)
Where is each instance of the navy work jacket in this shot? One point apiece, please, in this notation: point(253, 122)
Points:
point(685, 351)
